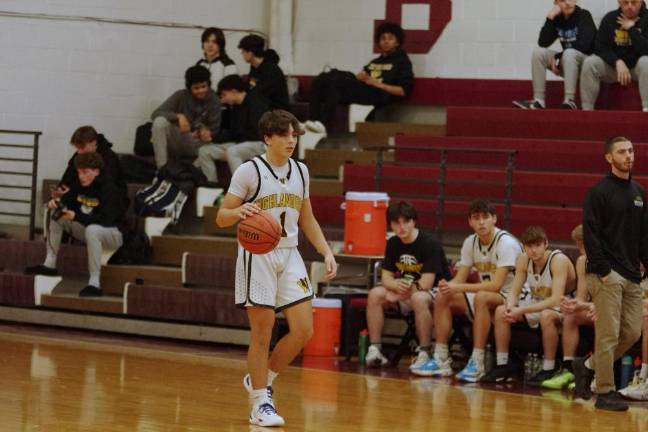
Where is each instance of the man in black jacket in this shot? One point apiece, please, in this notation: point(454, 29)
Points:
point(86, 140)
point(385, 79)
point(615, 227)
point(241, 142)
point(575, 29)
point(91, 211)
point(265, 75)
point(621, 53)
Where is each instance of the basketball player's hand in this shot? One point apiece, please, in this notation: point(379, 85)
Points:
point(568, 305)
point(623, 73)
point(513, 315)
point(448, 288)
point(183, 123)
point(68, 215)
point(331, 266)
point(403, 287)
point(591, 312)
point(248, 209)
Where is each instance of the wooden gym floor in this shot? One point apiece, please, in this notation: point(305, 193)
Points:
point(59, 380)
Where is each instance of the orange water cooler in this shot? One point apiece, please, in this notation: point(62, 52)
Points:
point(327, 321)
point(365, 223)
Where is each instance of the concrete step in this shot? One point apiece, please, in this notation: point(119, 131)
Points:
point(114, 277)
point(326, 187)
point(328, 163)
point(210, 227)
point(105, 304)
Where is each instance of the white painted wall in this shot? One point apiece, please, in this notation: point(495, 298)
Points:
point(485, 39)
point(57, 75)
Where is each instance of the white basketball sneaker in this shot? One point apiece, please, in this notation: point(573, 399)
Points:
point(265, 414)
point(375, 357)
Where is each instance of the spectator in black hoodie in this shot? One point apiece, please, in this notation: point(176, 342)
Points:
point(575, 29)
point(241, 141)
point(93, 212)
point(385, 79)
point(265, 75)
point(86, 140)
point(621, 53)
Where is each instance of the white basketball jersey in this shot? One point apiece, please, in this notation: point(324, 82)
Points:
point(540, 283)
point(501, 252)
point(281, 194)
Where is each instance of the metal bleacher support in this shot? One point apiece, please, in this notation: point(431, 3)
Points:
point(13, 154)
point(442, 177)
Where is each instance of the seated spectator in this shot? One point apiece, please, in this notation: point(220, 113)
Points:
point(576, 311)
point(93, 212)
point(385, 79)
point(575, 29)
point(187, 120)
point(265, 75)
point(413, 265)
point(493, 253)
point(241, 142)
point(621, 53)
point(215, 59)
point(86, 140)
point(549, 274)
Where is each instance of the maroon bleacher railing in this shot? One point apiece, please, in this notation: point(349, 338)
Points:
point(442, 176)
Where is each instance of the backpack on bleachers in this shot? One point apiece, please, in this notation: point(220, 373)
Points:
point(172, 185)
point(143, 145)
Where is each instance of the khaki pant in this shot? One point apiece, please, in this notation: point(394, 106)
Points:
point(617, 326)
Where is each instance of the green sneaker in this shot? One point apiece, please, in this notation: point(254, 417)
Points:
point(561, 379)
point(571, 386)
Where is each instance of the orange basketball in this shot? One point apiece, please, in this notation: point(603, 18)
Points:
point(259, 234)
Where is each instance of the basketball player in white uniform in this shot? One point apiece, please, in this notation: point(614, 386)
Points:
point(493, 253)
point(276, 281)
point(549, 275)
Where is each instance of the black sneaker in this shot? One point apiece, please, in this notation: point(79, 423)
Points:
point(91, 291)
point(502, 373)
point(41, 270)
point(537, 379)
point(569, 104)
point(528, 104)
point(611, 401)
point(583, 379)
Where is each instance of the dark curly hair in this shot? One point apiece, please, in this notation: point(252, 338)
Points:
point(390, 27)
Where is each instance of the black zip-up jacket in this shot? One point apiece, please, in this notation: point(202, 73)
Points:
point(269, 80)
point(394, 69)
point(97, 204)
point(615, 227)
point(577, 32)
point(245, 119)
point(613, 43)
point(111, 167)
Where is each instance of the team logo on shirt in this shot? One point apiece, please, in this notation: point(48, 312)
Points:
point(280, 200)
point(541, 292)
point(408, 264)
point(304, 285)
point(638, 201)
point(485, 267)
point(87, 204)
point(622, 37)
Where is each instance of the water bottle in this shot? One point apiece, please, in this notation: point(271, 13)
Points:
point(489, 359)
point(363, 345)
point(626, 371)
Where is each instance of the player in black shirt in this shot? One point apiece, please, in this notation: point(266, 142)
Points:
point(414, 262)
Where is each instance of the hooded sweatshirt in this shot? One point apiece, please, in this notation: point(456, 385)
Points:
point(613, 43)
point(97, 204)
point(269, 80)
point(394, 68)
point(578, 32)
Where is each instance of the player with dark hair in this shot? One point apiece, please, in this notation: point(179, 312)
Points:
point(413, 265)
point(278, 280)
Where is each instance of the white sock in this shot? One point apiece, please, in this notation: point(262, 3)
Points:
point(259, 396)
point(502, 358)
point(644, 370)
point(271, 376)
point(548, 364)
point(478, 356)
point(94, 279)
point(542, 102)
point(588, 364)
point(50, 261)
point(441, 352)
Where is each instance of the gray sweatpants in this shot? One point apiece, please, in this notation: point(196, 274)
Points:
point(234, 153)
point(570, 68)
point(596, 70)
point(167, 139)
point(96, 238)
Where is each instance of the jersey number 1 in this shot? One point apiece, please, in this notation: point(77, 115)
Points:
point(282, 217)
